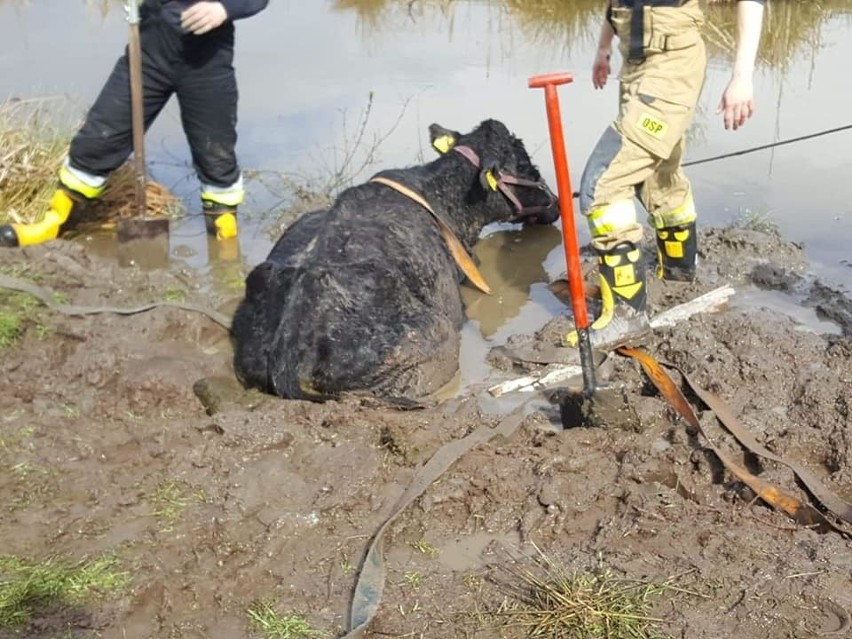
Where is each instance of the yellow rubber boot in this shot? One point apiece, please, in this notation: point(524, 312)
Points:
point(220, 209)
point(623, 319)
point(220, 221)
point(61, 207)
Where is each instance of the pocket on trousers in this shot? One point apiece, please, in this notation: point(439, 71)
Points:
point(655, 123)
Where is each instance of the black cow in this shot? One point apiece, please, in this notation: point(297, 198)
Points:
point(365, 296)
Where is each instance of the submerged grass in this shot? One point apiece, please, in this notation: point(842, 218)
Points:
point(755, 221)
point(339, 167)
point(550, 601)
point(29, 587)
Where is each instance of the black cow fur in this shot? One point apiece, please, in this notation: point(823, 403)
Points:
point(365, 296)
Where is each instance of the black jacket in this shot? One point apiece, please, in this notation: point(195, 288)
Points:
point(171, 9)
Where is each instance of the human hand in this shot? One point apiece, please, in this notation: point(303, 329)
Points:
point(203, 16)
point(737, 103)
point(601, 68)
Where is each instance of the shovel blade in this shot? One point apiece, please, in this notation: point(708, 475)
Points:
point(141, 228)
point(143, 242)
point(607, 406)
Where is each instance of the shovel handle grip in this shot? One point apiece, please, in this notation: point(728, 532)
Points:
point(550, 79)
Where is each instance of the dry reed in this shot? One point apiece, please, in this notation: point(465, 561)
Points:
point(33, 144)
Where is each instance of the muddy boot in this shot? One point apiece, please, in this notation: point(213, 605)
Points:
point(677, 253)
point(623, 319)
point(63, 207)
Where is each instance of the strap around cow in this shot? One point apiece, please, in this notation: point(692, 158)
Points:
point(454, 245)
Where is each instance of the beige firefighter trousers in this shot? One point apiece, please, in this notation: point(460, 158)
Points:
point(640, 154)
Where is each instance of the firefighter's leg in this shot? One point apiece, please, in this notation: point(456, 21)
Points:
point(101, 145)
point(667, 195)
point(607, 198)
point(662, 98)
point(207, 94)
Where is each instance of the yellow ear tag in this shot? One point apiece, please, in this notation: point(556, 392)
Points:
point(492, 181)
point(444, 143)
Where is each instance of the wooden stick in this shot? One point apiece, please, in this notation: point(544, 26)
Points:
point(134, 55)
point(710, 302)
point(557, 373)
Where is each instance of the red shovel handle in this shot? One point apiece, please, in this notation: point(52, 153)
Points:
point(549, 82)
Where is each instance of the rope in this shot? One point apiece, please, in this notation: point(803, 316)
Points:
point(768, 146)
point(762, 147)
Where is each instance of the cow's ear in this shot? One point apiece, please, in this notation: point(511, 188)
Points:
point(442, 139)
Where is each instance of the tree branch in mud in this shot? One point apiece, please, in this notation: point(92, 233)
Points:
point(299, 193)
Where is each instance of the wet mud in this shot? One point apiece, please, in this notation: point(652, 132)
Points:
point(278, 499)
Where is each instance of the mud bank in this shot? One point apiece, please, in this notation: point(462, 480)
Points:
point(107, 449)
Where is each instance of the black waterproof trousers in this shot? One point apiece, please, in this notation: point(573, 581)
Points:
point(199, 69)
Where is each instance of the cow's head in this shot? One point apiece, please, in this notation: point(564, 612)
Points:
point(505, 170)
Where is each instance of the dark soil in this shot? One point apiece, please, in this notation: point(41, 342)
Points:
point(278, 499)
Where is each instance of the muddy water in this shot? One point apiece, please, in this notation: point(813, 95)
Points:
point(312, 73)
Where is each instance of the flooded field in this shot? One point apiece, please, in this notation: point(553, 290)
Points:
point(190, 509)
point(309, 70)
point(341, 89)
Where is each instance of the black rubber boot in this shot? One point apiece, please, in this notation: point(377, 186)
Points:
point(622, 319)
point(677, 253)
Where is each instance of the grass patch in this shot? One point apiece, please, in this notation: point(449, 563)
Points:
point(18, 311)
point(413, 579)
point(18, 439)
point(174, 295)
point(552, 602)
point(26, 588)
point(10, 328)
point(27, 483)
point(425, 548)
point(264, 619)
point(169, 500)
point(33, 484)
